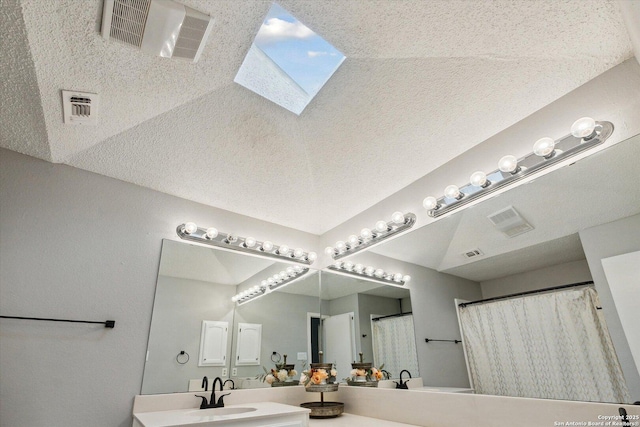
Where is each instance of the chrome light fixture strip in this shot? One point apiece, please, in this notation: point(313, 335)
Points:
point(565, 148)
point(385, 278)
point(236, 243)
point(258, 291)
point(377, 236)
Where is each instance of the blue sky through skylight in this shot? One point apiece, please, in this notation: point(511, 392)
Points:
point(302, 54)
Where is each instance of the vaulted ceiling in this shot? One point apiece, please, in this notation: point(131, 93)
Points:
point(423, 82)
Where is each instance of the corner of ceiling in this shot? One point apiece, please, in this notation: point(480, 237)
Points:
point(630, 11)
point(22, 116)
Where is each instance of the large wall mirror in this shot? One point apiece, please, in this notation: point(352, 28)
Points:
point(550, 248)
point(194, 313)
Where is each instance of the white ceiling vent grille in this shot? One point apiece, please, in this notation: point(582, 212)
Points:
point(473, 253)
point(510, 222)
point(159, 27)
point(80, 108)
point(128, 18)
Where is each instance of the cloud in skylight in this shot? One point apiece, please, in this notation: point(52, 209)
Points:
point(275, 30)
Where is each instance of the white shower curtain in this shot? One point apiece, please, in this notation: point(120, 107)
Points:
point(553, 345)
point(394, 345)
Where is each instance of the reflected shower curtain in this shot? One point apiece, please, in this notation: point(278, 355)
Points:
point(394, 345)
point(551, 346)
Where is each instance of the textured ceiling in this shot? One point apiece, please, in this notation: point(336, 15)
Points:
point(595, 190)
point(423, 82)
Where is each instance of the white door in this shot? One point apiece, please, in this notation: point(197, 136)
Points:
point(340, 342)
point(213, 343)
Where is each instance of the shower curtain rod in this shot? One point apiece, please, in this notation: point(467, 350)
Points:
point(538, 291)
point(375, 319)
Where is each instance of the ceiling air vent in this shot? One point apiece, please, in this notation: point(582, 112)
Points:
point(473, 253)
point(80, 108)
point(509, 222)
point(160, 27)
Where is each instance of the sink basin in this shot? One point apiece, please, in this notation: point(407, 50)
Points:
point(219, 412)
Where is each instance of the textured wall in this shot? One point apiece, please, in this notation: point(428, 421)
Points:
point(78, 245)
point(604, 241)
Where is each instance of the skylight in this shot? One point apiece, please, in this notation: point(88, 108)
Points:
point(288, 63)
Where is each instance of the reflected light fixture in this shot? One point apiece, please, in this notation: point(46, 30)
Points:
point(212, 237)
point(280, 280)
point(382, 230)
point(585, 134)
point(369, 273)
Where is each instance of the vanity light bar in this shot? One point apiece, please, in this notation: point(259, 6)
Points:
point(382, 230)
point(279, 280)
point(211, 236)
point(585, 134)
point(369, 273)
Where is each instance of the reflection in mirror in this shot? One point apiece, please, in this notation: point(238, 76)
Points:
point(193, 313)
point(551, 232)
point(374, 319)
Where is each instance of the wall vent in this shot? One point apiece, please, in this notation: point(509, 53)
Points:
point(509, 222)
point(473, 253)
point(80, 108)
point(159, 27)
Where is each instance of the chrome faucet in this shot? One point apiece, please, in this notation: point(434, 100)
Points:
point(212, 402)
point(403, 384)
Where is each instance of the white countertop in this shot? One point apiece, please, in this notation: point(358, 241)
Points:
point(194, 416)
point(350, 420)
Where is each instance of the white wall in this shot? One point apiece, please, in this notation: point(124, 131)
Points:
point(556, 275)
point(604, 241)
point(79, 245)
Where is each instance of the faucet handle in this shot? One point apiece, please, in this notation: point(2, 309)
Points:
point(221, 399)
point(204, 403)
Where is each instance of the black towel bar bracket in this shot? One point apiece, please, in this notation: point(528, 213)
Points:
point(107, 324)
point(453, 341)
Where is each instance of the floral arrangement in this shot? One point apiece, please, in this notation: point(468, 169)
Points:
point(275, 375)
point(371, 374)
point(318, 376)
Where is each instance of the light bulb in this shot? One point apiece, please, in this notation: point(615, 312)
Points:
point(381, 226)
point(406, 278)
point(312, 256)
point(358, 268)
point(366, 234)
point(544, 147)
point(369, 270)
point(341, 246)
point(234, 298)
point(508, 164)
point(297, 268)
point(249, 242)
point(452, 192)
point(270, 281)
point(353, 240)
point(397, 218)
point(478, 179)
point(276, 277)
point(397, 277)
point(264, 283)
point(211, 233)
point(291, 271)
point(190, 227)
point(583, 128)
point(298, 252)
point(267, 246)
point(283, 275)
point(329, 251)
point(255, 288)
point(283, 250)
point(379, 272)
point(348, 265)
point(430, 203)
point(337, 264)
